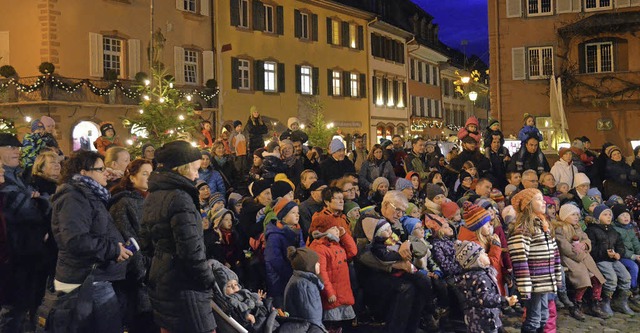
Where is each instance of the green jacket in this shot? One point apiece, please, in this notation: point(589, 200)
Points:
point(631, 242)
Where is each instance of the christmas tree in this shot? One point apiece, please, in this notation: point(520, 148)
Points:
point(320, 133)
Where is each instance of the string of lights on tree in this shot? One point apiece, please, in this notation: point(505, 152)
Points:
point(71, 87)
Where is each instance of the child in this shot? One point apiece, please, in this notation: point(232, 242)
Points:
point(419, 195)
point(530, 235)
point(480, 288)
point(552, 208)
point(574, 246)
point(594, 192)
point(334, 247)
point(243, 305)
point(529, 129)
point(352, 211)
point(379, 188)
point(32, 145)
point(227, 248)
point(466, 180)
point(204, 194)
point(385, 244)
point(307, 177)
point(293, 129)
point(514, 178)
point(413, 211)
point(547, 183)
point(451, 212)
point(281, 233)
point(272, 164)
point(239, 147)
point(256, 171)
point(561, 189)
point(302, 295)
point(470, 129)
point(631, 255)
point(589, 204)
point(433, 201)
point(107, 139)
point(607, 250)
point(205, 130)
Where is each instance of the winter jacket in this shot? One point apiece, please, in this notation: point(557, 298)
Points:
point(207, 140)
point(278, 238)
point(293, 169)
point(358, 157)
point(445, 255)
point(125, 208)
point(256, 132)
point(325, 219)
point(494, 252)
point(580, 159)
point(271, 166)
point(288, 134)
point(102, 143)
point(523, 160)
point(621, 173)
point(536, 261)
point(302, 297)
point(32, 144)
point(331, 169)
point(227, 171)
point(307, 209)
point(483, 300)
point(44, 186)
point(371, 170)
point(563, 172)
point(180, 279)
point(604, 237)
point(416, 163)
point(580, 265)
point(334, 269)
point(630, 240)
point(396, 157)
point(249, 226)
point(213, 178)
point(498, 169)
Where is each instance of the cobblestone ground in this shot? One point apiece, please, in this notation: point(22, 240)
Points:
point(566, 324)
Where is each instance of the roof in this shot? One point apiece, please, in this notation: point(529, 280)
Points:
point(614, 22)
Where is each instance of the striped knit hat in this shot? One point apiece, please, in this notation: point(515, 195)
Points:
point(609, 151)
point(475, 216)
point(523, 198)
point(282, 207)
point(467, 253)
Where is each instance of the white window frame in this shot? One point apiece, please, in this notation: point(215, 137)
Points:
point(191, 67)
point(306, 80)
point(336, 83)
point(304, 26)
point(270, 76)
point(243, 13)
point(113, 54)
point(353, 36)
point(539, 12)
point(542, 53)
point(244, 74)
point(599, 57)
point(190, 6)
point(354, 80)
point(597, 5)
point(269, 19)
point(335, 32)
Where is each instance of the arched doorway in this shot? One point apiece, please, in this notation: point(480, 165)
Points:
point(84, 134)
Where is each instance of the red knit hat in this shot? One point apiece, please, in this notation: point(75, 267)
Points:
point(523, 198)
point(282, 207)
point(475, 216)
point(449, 209)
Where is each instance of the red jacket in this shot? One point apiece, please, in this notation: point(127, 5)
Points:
point(324, 220)
point(495, 255)
point(334, 269)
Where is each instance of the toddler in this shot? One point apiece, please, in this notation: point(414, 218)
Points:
point(272, 164)
point(470, 129)
point(302, 298)
point(631, 256)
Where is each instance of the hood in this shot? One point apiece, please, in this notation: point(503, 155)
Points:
point(272, 228)
point(169, 181)
point(561, 163)
point(124, 194)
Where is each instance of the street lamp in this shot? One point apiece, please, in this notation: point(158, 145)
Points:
point(465, 79)
point(473, 96)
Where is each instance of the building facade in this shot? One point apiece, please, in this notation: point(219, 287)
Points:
point(591, 45)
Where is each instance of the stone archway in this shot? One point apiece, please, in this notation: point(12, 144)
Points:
point(84, 133)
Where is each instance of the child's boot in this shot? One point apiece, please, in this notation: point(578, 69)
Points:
point(621, 303)
point(605, 304)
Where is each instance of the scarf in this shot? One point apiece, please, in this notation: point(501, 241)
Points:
point(290, 161)
point(623, 226)
point(220, 160)
point(89, 183)
point(433, 207)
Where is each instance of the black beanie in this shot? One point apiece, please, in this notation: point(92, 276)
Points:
point(177, 153)
point(259, 186)
point(106, 126)
point(280, 188)
point(237, 123)
point(302, 259)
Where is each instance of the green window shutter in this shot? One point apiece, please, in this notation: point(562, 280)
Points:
point(329, 31)
point(258, 15)
point(235, 78)
point(360, 37)
point(297, 26)
point(385, 90)
point(314, 27)
point(315, 79)
point(374, 88)
point(344, 34)
point(329, 82)
point(346, 84)
point(259, 75)
point(404, 94)
point(234, 6)
point(363, 85)
point(281, 77)
point(280, 20)
point(298, 79)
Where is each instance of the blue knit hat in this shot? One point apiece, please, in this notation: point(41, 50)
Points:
point(36, 124)
point(336, 144)
point(599, 210)
point(594, 192)
point(402, 184)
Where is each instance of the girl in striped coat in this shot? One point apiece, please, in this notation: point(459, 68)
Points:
point(535, 257)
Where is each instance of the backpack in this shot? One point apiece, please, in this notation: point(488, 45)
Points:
point(66, 312)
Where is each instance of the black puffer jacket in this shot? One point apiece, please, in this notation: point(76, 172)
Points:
point(125, 208)
point(604, 237)
point(86, 235)
point(256, 131)
point(331, 169)
point(180, 279)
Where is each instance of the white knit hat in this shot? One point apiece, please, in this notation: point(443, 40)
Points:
point(579, 179)
point(566, 210)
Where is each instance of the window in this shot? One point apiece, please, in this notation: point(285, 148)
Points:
point(243, 74)
point(304, 25)
point(539, 7)
point(112, 54)
point(540, 62)
point(412, 71)
point(270, 76)
point(189, 5)
point(390, 84)
point(379, 91)
point(599, 57)
point(353, 36)
point(355, 85)
point(306, 85)
point(400, 96)
point(597, 4)
point(244, 13)
point(190, 66)
point(336, 81)
point(335, 32)
point(268, 19)
point(445, 87)
point(420, 71)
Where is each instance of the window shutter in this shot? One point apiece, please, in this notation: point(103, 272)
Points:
point(436, 76)
point(329, 31)
point(344, 34)
point(385, 91)
point(623, 3)
point(234, 6)
point(297, 26)
point(281, 77)
point(329, 82)
point(235, 77)
point(374, 89)
point(259, 72)
point(315, 81)
point(401, 53)
point(207, 66)
point(314, 27)
point(620, 55)
point(346, 84)
point(178, 64)
point(394, 90)
point(514, 8)
point(298, 79)
point(133, 46)
point(204, 7)
point(258, 15)
point(518, 64)
point(413, 105)
point(96, 65)
point(180, 5)
point(4, 48)
point(360, 37)
point(280, 20)
point(582, 59)
point(404, 94)
point(363, 85)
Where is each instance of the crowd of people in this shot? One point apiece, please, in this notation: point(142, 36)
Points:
point(238, 235)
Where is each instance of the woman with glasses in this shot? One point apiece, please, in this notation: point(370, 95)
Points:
point(88, 240)
point(331, 215)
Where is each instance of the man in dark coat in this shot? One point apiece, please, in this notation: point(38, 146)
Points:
point(499, 158)
point(415, 160)
point(529, 157)
point(469, 153)
point(256, 129)
point(336, 165)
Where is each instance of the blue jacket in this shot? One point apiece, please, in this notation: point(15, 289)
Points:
point(213, 179)
point(483, 300)
point(302, 297)
point(275, 256)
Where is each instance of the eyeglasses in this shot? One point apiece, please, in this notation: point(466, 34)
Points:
point(352, 190)
point(337, 199)
point(101, 169)
point(397, 210)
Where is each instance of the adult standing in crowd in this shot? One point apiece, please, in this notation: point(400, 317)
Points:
point(375, 166)
point(311, 206)
point(88, 241)
point(415, 160)
point(27, 224)
point(359, 155)
point(336, 165)
point(529, 157)
point(256, 129)
point(396, 154)
point(116, 160)
point(224, 164)
point(499, 158)
point(469, 153)
point(180, 279)
point(619, 176)
point(46, 173)
point(563, 170)
point(294, 163)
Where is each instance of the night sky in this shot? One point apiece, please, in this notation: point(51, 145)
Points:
point(461, 20)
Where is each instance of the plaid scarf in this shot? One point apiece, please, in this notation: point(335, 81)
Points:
point(87, 182)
